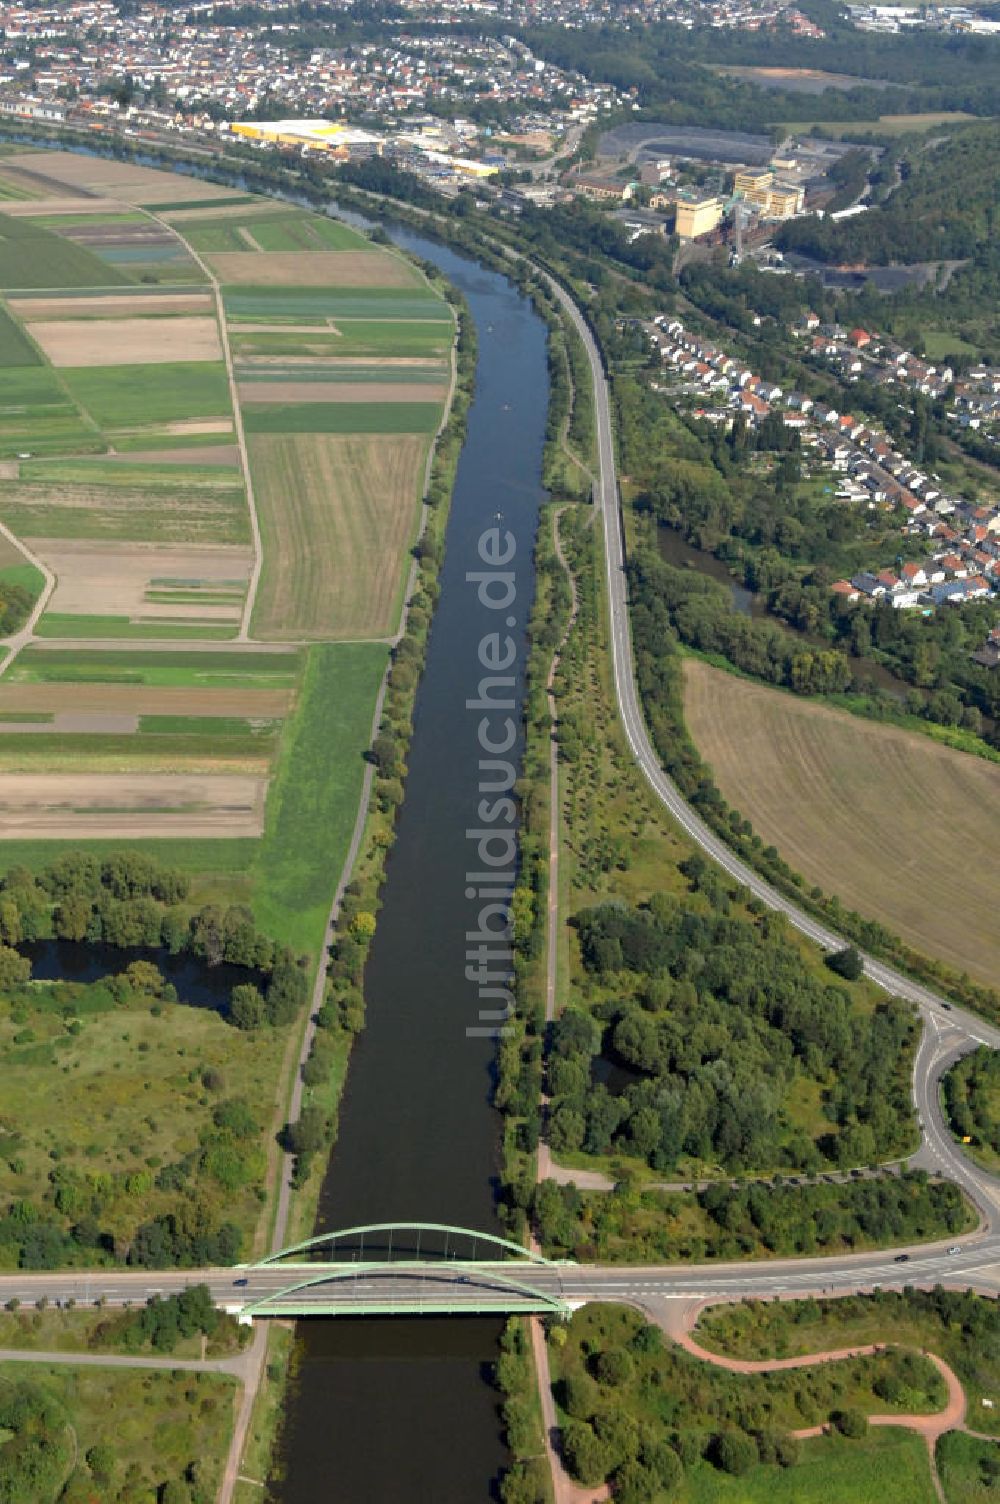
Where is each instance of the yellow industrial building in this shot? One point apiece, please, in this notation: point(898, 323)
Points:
point(757, 188)
point(320, 135)
point(697, 215)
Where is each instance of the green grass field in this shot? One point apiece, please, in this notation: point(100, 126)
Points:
point(100, 666)
point(341, 417)
point(433, 375)
point(357, 338)
point(969, 1468)
point(33, 257)
point(206, 725)
point(141, 395)
point(16, 349)
point(250, 302)
point(313, 801)
point(57, 624)
point(889, 1465)
point(154, 1425)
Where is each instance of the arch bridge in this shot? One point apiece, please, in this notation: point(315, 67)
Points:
point(400, 1269)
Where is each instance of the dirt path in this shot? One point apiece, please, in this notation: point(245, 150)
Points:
point(235, 1365)
point(24, 636)
point(930, 1427)
point(564, 1490)
point(241, 442)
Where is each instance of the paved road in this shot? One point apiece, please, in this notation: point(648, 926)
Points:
point(976, 1263)
point(949, 1031)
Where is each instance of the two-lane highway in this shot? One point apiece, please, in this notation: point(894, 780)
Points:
point(963, 1030)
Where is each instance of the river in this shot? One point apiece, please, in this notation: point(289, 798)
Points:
point(383, 1411)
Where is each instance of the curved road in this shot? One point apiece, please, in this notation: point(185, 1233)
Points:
point(949, 1031)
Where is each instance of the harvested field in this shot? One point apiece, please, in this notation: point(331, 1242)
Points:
point(902, 829)
point(375, 268)
point(338, 391)
point(114, 579)
point(223, 455)
point(113, 305)
point(142, 699)
point(324, 499)
point(113, 805)
point(123, 342)
point(119, 180)
point(360, 416)
point(40, 207)
point(101, 510)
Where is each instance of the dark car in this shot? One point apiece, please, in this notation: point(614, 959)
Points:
point(901, 1258)
point(241, 1281)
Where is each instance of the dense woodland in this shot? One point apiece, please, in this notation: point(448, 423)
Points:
point(745, 1219)
point(719, 1022)
point(943, 209)
point(972, 1098)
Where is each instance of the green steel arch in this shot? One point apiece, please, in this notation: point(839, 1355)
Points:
point(276, 1302)
point(526, 1255)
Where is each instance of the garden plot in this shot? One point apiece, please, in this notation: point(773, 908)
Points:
point(128, 341)
point(130, 805)
point(146, 582)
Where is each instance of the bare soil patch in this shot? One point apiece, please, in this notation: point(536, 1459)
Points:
point(338, 513)
point(203, 454)
point(122, 342)
point(130, 804)
point(37, 207)
point(112, 306)
point(902, 829)
point(311, 269)
point(120, 180)
point(199, 425)
point(143, 699)
point(112, 579)
point(340, 391)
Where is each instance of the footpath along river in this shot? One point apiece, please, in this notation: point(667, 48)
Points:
point(386, 1411)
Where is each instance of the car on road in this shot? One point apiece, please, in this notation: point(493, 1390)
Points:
point(901, 1258)
point(955, 1248)
point(241, 1281)
point(946, 1007)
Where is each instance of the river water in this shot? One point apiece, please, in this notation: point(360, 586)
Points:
point(383, 1411)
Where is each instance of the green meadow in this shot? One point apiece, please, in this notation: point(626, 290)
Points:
point(37, 665)
point(62, 624)
point(313, 800)
point(33, 257)
point(16, 349)
point(139, 395)
point(341, 417)
point(356, 337)
point(311, 302)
